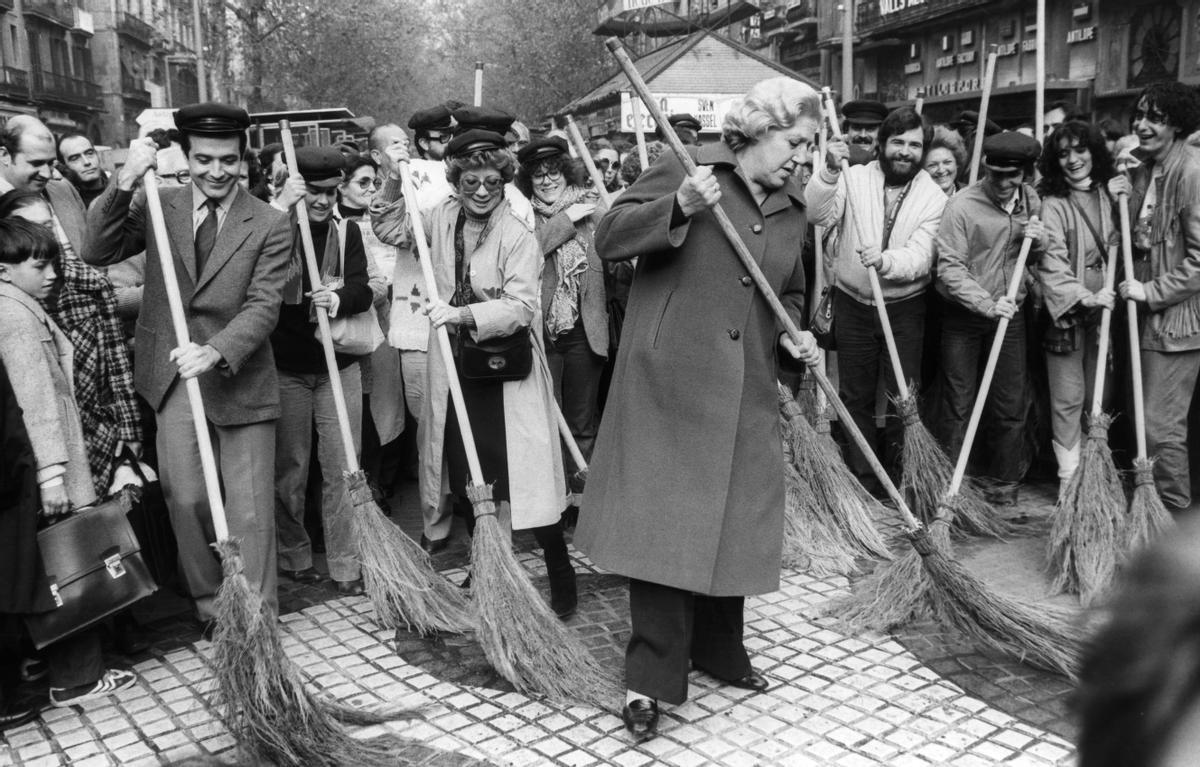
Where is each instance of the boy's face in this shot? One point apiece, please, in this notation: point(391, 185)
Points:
point(34, 276)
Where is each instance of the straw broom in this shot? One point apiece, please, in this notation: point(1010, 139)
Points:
point(523, 640)
point(1147, 519)
point(1082, 549)
point(925, 467)
point(260, 693)
point(398, 575)
point(1038, 635)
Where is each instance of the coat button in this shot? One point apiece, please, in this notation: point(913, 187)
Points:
point(757, 228)
point(747, 281)
point(735, 334)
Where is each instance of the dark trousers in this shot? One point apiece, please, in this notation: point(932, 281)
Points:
point(1170, 383)
point(862, 350)
point(966, 342)
point(74, 661)
point(673, 629)
point(576, 370)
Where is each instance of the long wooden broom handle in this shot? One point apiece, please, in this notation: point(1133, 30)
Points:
point(443, 335)
point(1110, 279)
point(989, 77)
point(588, 162)
point(314, 281)
point(964, 453)
point(1135, 337)
point(208, 461)
point(764, 287)
point(872, 273)
point(635, 111)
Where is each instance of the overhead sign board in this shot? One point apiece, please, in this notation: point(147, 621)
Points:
point(708, 108)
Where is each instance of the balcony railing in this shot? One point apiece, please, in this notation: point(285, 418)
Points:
point(869, 18)
point(134, 89)
point(66, 89)
point(14, 82)
point(132, 26)
point(58, 11)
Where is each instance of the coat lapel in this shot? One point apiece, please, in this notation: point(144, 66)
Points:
point(233, 233)
point(178, 213)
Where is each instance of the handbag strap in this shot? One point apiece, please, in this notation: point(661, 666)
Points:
point(1101, 243)
point(889, 220)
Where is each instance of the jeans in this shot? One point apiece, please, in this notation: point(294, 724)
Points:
point(575, 370)
point(966, 342)
point(861, 352)
point(1072, 377)
point(1170, 380)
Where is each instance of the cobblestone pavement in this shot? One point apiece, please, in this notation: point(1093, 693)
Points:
point(919, 697)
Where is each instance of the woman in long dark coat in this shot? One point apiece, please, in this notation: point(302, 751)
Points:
point(685, 490)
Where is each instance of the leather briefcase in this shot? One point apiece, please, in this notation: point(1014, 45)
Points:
point(93, 567)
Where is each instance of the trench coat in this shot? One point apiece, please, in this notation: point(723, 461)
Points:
point(505, 272)
point(685, 487)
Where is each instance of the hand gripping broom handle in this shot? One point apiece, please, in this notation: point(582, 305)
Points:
point(443, 335)
point(314, 281)
point(1110, 279)
point(588, 162)
point(208, 462)
point(760, 281)
point(1135, 356)
point(960, 468)
point(872, 273)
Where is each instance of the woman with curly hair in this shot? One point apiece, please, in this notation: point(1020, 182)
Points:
point(1079, 187)
point(945, 159)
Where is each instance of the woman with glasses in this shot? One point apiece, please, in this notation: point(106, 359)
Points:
point(487, 263)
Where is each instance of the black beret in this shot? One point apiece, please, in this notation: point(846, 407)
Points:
point(434, 118)
point(1009, 150)
point(482, 118)
point(540, 148)
point(864, 112)
point(968, 121)
point(211, 119)
point(321, 166)
point(684, 121)
point(473, 141)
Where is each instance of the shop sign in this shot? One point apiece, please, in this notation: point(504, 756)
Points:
point(912, 68)
point(709, 109)
point(894, 6)
point(1007, 49)
point(1081, 35)
point(1029, 45)
point(947, 87)
point(945, 61)
point(966, 57)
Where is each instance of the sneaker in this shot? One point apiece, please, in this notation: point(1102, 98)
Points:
point(114, 680)
point(33, 669)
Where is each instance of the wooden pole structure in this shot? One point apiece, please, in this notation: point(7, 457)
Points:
point(478, 83)
point(201, 67)
point(989, 77)
point(635, 107)
point(1039, 94)
point(847, 50)
point(594, 172)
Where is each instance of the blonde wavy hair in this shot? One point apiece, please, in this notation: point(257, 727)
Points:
point(775, 103)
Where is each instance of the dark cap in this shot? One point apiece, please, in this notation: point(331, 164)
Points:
point(482, 118)
point(1009, 150)
point(211, 119)
point(864, 112)
point(968, 121)
point(542, 148)
point(321, 166)
point(434, 118)
point(684, 121)
point(473, 141)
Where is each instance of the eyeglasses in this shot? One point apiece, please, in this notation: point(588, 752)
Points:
point(439, 138)
point(1151, 115)
point(542, 177)
point(604, 164)
point(366, 182)
point(469, 184)
point(179, 177)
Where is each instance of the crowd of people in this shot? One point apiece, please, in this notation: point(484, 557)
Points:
point(615, 301)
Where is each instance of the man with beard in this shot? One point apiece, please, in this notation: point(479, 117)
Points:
point(977, 245)
point(861, 120)
point(895, 207)
point(81, 166)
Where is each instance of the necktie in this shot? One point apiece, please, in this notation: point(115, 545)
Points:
point(206, 235)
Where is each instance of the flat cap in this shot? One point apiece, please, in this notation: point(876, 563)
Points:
point(684, 120)
point(211, 119)
point(968, 120)
point(433, 118)
point(1009, 150)
point(541, 148)
point(864, 112)
point(321, 166)
point(482, 118)
point(476, 140)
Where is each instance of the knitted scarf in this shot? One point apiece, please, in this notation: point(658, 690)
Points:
point(570, 262)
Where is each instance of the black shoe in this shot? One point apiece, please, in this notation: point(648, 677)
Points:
point(433, 547)
point(13, 715)
point(752, 681)
point(641, 718)
point(352, 588)
point(306, 575)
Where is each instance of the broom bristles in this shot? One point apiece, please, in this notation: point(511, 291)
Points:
point(926, 473)
point(398, 575)
point(524, 641)
point(1148, 519)
point(808, 543)
point(261, 695)
point(1082, 550)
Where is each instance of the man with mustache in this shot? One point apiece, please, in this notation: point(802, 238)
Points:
point(860, 122)
point(895, 207)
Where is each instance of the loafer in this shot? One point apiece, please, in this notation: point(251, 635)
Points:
point(432, 547)
point(352, 588)
point(641, 718)
point(14, 715)
point(306, 575)
point(752, 681)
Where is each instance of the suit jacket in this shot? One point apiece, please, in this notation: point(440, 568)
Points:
point(71, 212)
point(233, 305)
